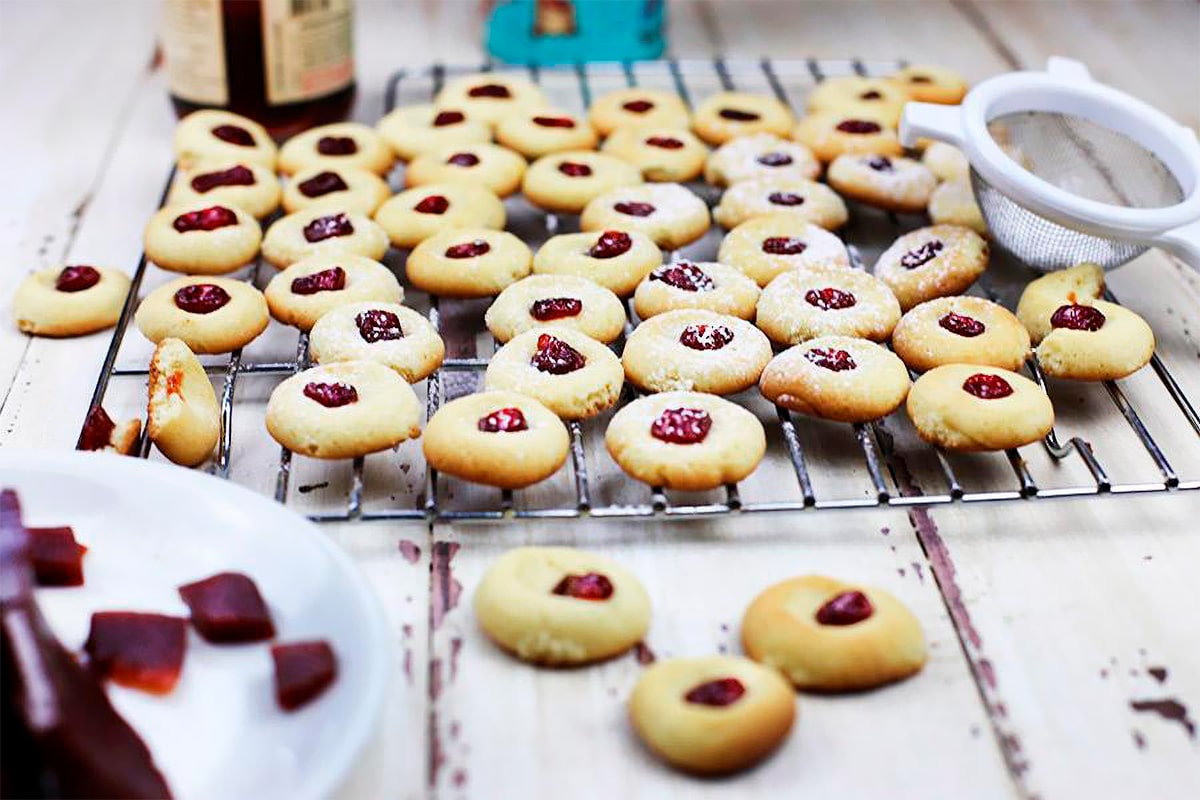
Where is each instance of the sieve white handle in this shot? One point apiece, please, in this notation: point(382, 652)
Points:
point(933, 121)
point(1183, 242)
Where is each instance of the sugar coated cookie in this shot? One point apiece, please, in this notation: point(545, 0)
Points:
point(414, 215)
point(536, 132)
point(766, 247)
point(211, 134)
point(308, 289)
point(888, 182)
point(572, 374)
point(559, 605)
point(343, 410)
point(615, 259)
point(830, 134)
point(837, 377)
point(563, 300)
point(694, 350)
point(827, 635)
point(931, 262)
point(699, 285)
point(929, 83)
point(488, 165)
point(878, 98)
point(182, 416)
point(827, 301)
point(968, 407)
point(953, 203)
point(670, 214)
point(947, 162)
point(342, 144)
point(389, 333)
point(807, 200)
point(502, 439)
point(202, 238)
point(760, 155)
point(1095, 341)
point(340, 188)
point(416, 129)
point(566, 182)
point(1082, 283)
point(489, 96)
point(685, 440)
point(664, 155)
point(727, 115)
point(960, 330)
point(637, 107)
point(242, 183)
point(468, 262)
point(712, 715)
point(210, 314)
point(70, 301)
point(322, 232)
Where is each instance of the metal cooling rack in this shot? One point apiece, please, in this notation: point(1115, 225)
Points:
point(692, 79)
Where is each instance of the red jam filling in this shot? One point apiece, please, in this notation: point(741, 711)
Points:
point(336, 146)
point(846, 608)
point(76, 279)
point(922, 255)
point(323, 228)
point(591, 586)
point(831, 359)
point(987, 387)
point(434, 204)
point(633, 208)
point(234, 176)
point(968, 327)
point(503, 420)
point(783, 246)
point(785, 199)
point(830, 299)
point(97, 430)
point(638, 106)
point(665, 142)
point(861, 126)
point(445, 118)
point(331, 395)
point(201, 298)
point(774, 159)
point(880, 164)
point(489, 90)
point(737, 115)
point(721, 692)
point(228, 608)
point(705, 337)
point(554, 122)
point(463, 159)
point(920, 79)
point(684, 276)
point(870, 95)
point(378, 325)
point(57, 558)
point(234, 135)
point(573, 169)
point(556, 356)
point(555, 308)
point(327, 280)
point(1078, 318)
point(205, 219)
point(322, 184)
point(303, 671)
point(611, 244)
point(468, 249)
point(681, 425)
point(141, 651)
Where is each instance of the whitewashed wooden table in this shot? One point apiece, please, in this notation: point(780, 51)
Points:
point(1065, 643)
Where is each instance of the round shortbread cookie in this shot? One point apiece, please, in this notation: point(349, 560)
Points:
point(692, 350)
point(572, 374)
point(670, 214)
point(414, 215)
point(947, 162)
point(210, 314)
point(705, 285)
point(416, 129)
point(615, 259)
point(728, 115)
point(489, 96)
point(389, 333)
point(322, 232)
point(664, 155)
point(971, 408)
point(877, 98)
point(953, 203)
point(841, 378)
point(807, 200)
point(340, 188)
point(805, 303)
point(1045, 295)
point(536, 132)
point(830, 134)
point(308, 289)
point(202, 238)
point(70, 301)
point(766, 247)
point(212, 134)
point(1095, 341)
point(638, 107)
point(566, 182)
point(183, 418)
point(761, 155)
point(242, 183)
point(483, 164)
point(929, 83)
point(931, 262)
point(960, 330)
point(893, 184)
point(559, 300)
point(468, 262)
point(341, 144)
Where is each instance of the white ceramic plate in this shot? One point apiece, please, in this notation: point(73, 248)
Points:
point(151, 528)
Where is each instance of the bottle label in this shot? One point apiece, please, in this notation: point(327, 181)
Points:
point(307, 48)
point(194, 44)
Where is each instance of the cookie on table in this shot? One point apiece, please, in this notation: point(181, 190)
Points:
point(182, 416)
point(489, 96)
point(1095, 341)
point(877, 98)
point(712, 715)
point(414, 215)
point(828, 635)
point(468, 262)
point(416, 129)
point(502, 439)
point(766, 247)
point(638, 107)
point(211, 134)
point(563, 300)
point(728, 115)
point(202, 238)
point(960, 330)
point(101, 434)
point(685, 440)
point(947, 162)
point(308, 289)
point(760, 155)
point(70, 301)
point(1082, 283)
point(888, 182)
point(692, 350)
point(830, 134)
point(615, 259)
point(953, 203)
point(572, 374)
point(343, 188)
point(841, 378)
point(388, 333)
point(663, 154)
point(931, 262)
point(322, 232)
point(210, 314)
point(708, 286)
point(536, 132)
point(929, 83)
point(806, 200)
point(343, 410)
point(670, 214)
point(561, 606)
point(341, 144)
point(805, 303)
point(566, 182)
point(484, 164)
point(242, 183)
point(969, 408)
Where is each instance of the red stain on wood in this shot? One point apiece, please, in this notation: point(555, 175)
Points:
point(645, 655)
point(1169, 709)
point(410, 550)
point(445, 589)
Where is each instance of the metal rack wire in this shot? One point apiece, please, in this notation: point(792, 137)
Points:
point(872, 439)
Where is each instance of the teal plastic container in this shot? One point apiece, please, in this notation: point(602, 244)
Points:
point(568, 32)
